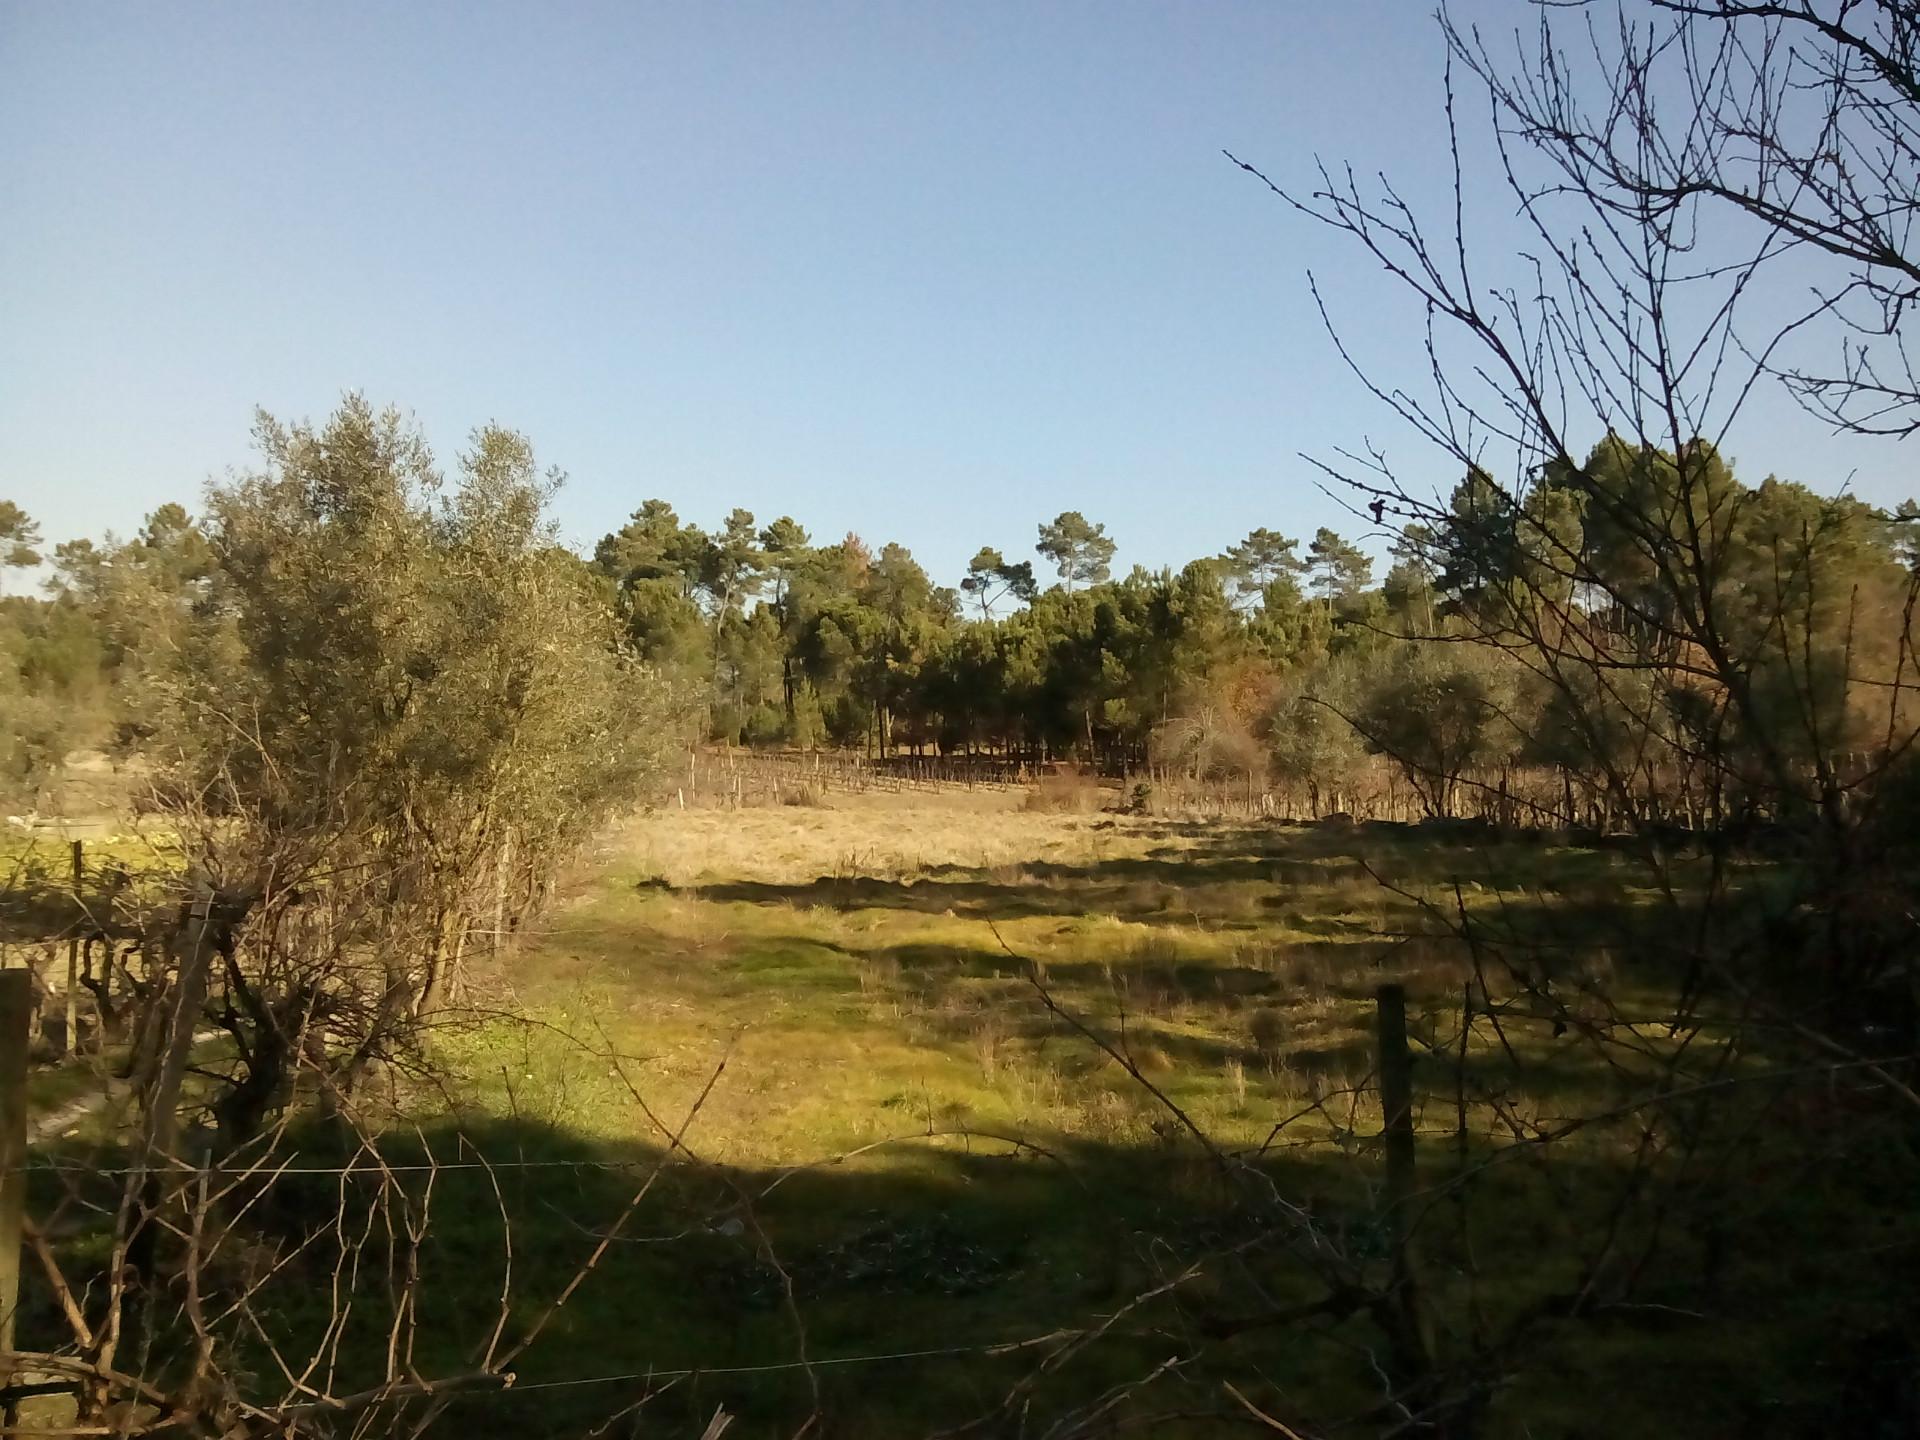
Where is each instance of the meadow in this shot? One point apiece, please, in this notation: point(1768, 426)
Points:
point(883, 961)
point(951, 1108)
point(942, 1111)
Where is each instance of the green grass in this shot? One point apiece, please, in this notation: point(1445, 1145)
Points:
point(55, 1086)
point(882, 995)
point(906, 1150)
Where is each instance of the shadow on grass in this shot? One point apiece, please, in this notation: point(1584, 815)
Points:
point(720, 1284)
point(1511, 895)
point(723, 1282)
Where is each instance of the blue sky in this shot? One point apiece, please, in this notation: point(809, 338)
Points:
point(928, 272)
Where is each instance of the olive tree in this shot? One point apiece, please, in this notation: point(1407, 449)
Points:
point(426, 708)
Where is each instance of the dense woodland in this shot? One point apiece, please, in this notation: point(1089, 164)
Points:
point(1272, 663)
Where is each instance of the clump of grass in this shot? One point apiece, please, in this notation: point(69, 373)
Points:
point(1294, 876)
point(1286, 1081)
point(1234, 902)
point(803, 795)
point(1155, 991)
point(988, 1039)
point(1035, 1087)
point(1350, 890)
point(1008, 876)
point(1071, 791)
point(879, 976)
point(1267, 1029)
point(1110, 1116)
point(1151, 1058)
point(855, 864)
point(1147, 897)
point(1432, 961)
point(1301, 967)
point(1155, 947)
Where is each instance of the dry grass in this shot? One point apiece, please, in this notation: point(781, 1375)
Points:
point(880, 945)
point(890, 836)
point(872, 971)
point(1066, 791)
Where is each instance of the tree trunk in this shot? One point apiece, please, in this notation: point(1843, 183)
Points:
point(440, 963)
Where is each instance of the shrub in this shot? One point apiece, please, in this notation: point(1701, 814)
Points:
point(765, 725)
point(1067, 790)
point(1268, 1031)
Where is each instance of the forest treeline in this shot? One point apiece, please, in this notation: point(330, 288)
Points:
point(1278, 661)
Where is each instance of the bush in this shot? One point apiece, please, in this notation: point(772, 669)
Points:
point(765, 725)
point(1069, 790)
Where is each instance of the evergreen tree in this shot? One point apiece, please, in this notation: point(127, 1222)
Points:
point(1258, 562)
point(1341, 569)
point(990, 578)
point(1078, 549)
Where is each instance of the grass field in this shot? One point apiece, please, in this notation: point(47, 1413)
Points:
point(913, 1144)
point(941, 1054)
point(872, 968)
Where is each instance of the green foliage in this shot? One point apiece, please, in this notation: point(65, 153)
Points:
point(666, 627)
point(990, 578)
point(44, 659)
point(424, 640)
point(1256, 564)
point(1340, 569)
point(857, 646)
point(652, 545)
point(1310, 739)
point(380, 672)
point(19, 534)
point(1436, 711)
point(1077, 548)
point(788, 642)
point(1097, 667)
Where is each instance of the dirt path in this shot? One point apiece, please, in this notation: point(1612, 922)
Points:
point(113, 1091)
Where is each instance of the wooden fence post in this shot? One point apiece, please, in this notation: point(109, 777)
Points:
point(1412, 1341)
point(1396, 1100)
point(16, 1013)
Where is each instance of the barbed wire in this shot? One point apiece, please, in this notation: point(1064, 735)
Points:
point(49, 1165)
point(68, 1167)
point(936, 1352)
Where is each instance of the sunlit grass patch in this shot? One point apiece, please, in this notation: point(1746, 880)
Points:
point(967, 1042)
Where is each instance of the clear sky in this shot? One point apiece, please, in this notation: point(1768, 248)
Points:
point(931, 272)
